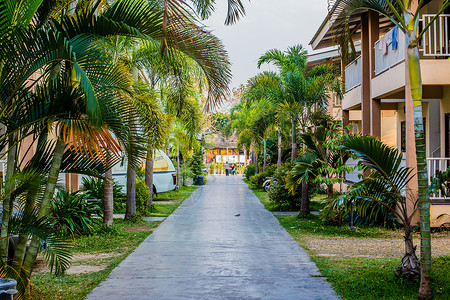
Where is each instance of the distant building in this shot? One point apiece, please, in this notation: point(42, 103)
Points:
point(223, 150)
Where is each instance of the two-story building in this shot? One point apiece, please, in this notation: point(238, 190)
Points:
point(377, 98)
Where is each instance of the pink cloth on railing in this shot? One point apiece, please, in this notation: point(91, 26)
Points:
point(386, 40)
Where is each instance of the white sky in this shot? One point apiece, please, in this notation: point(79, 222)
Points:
point(268, 24)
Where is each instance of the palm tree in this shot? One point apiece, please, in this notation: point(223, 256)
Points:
point(384, 186)
point(405, 15)
point(322, 162)
point(266, 88)
point(299, 90)
point(70, 49)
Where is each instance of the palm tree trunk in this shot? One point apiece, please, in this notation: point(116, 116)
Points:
point(424, 201)
point(108, 199)
point(130, 209)
point(294, 140)
point(265, 157)
point(32, 252)
point(11, 165)
point(22, 241)
point(330, 190)
point(410, 266)
point(178, 163)
point(149, 175)
point(279, 149)
point(304, 206)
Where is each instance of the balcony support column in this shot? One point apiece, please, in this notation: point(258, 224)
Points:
point(370, 108)
point(375, 105)
point(365, 74)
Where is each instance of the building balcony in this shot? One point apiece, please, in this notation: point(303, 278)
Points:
point(353, 74)
point(389, 65)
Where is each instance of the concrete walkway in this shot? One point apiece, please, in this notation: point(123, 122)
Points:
point(219, 244)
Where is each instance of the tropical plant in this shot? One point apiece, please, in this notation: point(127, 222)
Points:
point(73, 214)
point(296, 90)
point(405, 15)
point(249, 171)
point(322, 163)
point(385, 186)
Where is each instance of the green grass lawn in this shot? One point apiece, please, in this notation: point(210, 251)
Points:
point(105, 249)
point(364, 277)
point(161, 209)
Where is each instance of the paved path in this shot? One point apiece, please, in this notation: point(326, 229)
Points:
point(204, 251)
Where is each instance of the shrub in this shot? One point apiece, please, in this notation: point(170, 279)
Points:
point(142, 196)
point(185, 172)
point(212, 167)
point(94, 187)
point(279, 195)
point(72, 214)
point(197, 164)
point(258, 179)
point(249, 171)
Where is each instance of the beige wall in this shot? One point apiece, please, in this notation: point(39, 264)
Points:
point(438, 210)
point(389, 127)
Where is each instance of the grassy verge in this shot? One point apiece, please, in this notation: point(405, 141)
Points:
point(360, 264)
point(94, 257)
point(165, 203)
point(355, 277)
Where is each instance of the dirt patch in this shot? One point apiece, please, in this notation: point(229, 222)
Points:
point(376, 248)
point(166, 201)
point(85, 269)
point(139, 229)
point(76, 266)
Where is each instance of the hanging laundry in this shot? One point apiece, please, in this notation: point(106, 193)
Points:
point(394, 38)
point(388, 37)
point(383, 46)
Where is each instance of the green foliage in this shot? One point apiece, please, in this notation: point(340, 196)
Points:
point(142, 196)
point(379, 197)
point(95, 188)
point(185, 173)
point(249, 171)
point(212, 168)
point(197, 164)
point(258, 179)
point(72, 214)
point(279, 195)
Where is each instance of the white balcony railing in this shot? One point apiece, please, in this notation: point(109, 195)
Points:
point(354, 176)
point(436, 40)
point(435, 165)
point(384, 60)
point(353, 74)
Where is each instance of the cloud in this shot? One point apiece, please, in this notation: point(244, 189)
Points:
point(268, 24)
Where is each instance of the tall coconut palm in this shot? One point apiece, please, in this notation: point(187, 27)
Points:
point(405, 15)
point(299, 90)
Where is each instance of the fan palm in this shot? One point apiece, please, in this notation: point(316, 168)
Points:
point(405, 15)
